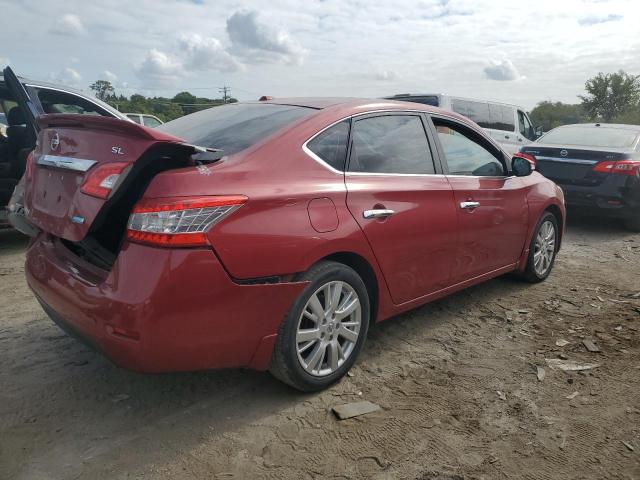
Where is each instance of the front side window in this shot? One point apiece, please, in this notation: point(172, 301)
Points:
point(525, 127)
point(135, 118)
point(390, 144)
point(151, 122)
point(465, 153)
point(331, 145)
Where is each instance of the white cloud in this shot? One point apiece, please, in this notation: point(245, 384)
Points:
point(110, 76)
point(69, 24)
point(259, 41)
point(160, 69)
point(67, 76)
point(502, 70)
point(206, 53)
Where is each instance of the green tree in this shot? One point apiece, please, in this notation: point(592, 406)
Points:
point(610, 94)
point(103, 89)
point(184, 97)
point(550, 115)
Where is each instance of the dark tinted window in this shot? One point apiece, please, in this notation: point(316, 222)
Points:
point(501, 117)
point(589, 135)
point(331, 145)
point(465, 154)
point(476, 111)
point(525, 127)
point(53, 101)
point(390, 144)
point(234, 127)
point(425, 99)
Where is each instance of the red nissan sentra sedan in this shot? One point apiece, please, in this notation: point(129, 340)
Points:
point(270, 235)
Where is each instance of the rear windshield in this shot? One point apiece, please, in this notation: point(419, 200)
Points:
point(234, 127)
point(590, 136)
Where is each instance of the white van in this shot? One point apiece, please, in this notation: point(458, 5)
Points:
point(509, 125)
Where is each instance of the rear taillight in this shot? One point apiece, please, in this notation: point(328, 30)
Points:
point(102, 179)
point(29, 167)
point(621, 167)
point(179, 222)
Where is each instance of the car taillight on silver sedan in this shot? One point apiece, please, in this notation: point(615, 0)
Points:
point(180, 221)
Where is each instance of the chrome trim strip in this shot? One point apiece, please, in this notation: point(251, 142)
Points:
point(568, 160)
point(67, 163)
point(369, 174)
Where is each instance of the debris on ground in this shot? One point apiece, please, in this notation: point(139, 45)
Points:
point(540, 373)
point(562, 342)
point(591, 346)
point(569, 365)
point(355, 409)
point(573, 395)
point(501, 395)
point(628, 445)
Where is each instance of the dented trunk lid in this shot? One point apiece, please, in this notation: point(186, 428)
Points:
point(69, 149)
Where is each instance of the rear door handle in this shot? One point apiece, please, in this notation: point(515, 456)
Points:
point(507, 137)
point(469, 205)
point(380, 213)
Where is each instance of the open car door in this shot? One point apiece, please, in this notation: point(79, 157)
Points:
point(28, 107)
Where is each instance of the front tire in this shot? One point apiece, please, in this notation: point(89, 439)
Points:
point(324, 330)
point(543, 249)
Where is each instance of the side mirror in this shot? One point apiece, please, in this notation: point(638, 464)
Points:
point(539, 131)
point(523, 164)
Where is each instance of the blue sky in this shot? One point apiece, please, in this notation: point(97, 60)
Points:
point(516, 51)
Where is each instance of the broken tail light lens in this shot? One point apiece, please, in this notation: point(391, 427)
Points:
point(101, 180)
point(620, 167)
point(179, 222)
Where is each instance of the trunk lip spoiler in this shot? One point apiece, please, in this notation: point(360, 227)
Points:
point(67, 163)
point(115, 125)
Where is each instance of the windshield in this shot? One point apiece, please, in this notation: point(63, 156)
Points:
point(591, 136)
point(234, 127)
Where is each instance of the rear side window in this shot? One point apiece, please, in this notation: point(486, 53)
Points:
point(476, 111)
point(465, 153)
point(135, 118)
point(331, 145)
point(502, 117)
point(54, 101)
point(390, 144)
point(234, 127)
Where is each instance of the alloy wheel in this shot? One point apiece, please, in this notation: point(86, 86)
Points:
point(544, 248)
point(328, 328)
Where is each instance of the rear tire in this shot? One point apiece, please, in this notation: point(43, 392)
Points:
point(324, 330)
point(543, 249)
point(633, 224)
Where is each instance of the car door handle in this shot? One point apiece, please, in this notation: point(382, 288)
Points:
point(469, 205)
point(380, 213)
point(507, 137)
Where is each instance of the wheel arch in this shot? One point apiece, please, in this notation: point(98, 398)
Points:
point(364, 269)
point(555, 210)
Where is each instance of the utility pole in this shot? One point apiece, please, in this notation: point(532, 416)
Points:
point(225, 91)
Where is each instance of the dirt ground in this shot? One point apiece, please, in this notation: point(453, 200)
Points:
point(456, 381)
